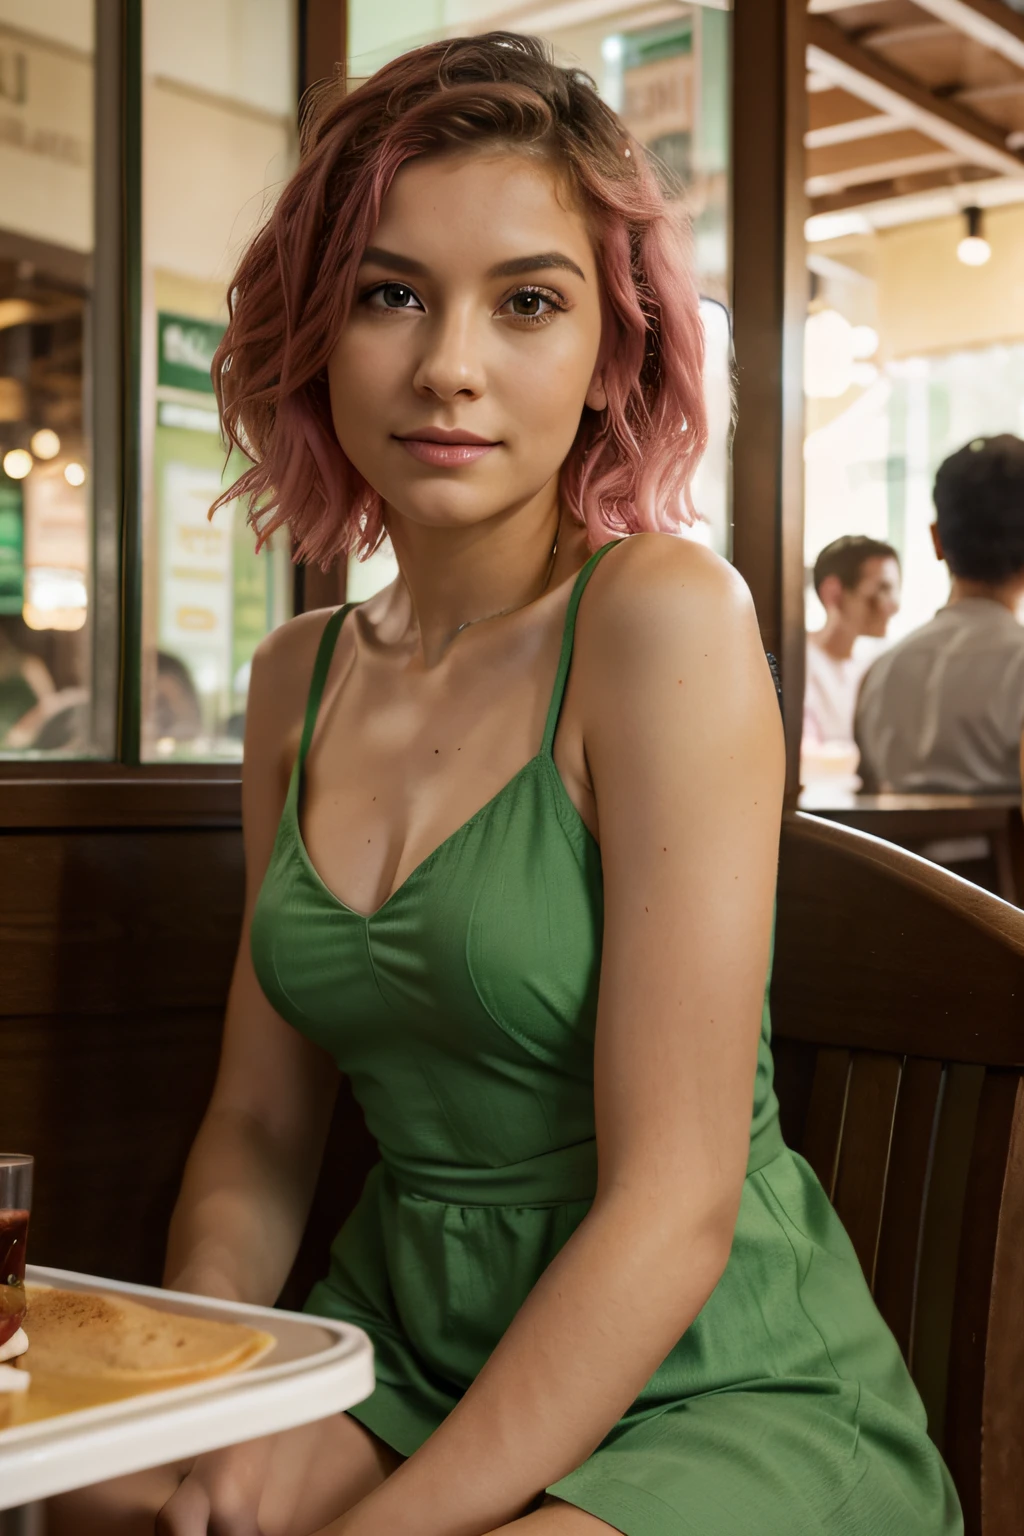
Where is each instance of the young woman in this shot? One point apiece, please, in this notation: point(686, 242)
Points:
point(511, 831)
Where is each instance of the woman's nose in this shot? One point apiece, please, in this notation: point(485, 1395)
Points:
point(451, 363)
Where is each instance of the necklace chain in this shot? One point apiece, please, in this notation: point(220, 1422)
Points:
point(503, 612)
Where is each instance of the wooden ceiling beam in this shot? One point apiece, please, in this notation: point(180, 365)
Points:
point(988, 22)
point(1000, 92)
point(825, 7)
point(830, 182)
point(903, 143)
point(862, 73)
point(852, 130)
point(830, 105)
point(880, 38)
point(905, 186)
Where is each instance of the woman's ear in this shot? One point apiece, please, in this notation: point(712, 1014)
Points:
point(597, 399)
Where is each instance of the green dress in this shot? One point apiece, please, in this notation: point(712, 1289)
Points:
point(463, 1013)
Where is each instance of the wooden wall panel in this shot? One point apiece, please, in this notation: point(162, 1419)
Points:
point(116, 950)
point(108, 1105)
point(129, 921)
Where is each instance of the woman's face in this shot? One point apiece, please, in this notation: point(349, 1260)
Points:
point(458, 381)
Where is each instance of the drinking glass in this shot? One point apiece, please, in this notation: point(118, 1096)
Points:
point(15, 1204)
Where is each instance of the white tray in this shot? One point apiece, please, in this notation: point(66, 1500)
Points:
point(318, 1367)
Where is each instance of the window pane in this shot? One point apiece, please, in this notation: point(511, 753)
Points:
point(46, 244)
point(218, 142)
point(909, 355)
point(665, 69)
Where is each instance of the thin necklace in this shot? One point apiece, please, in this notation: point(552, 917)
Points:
point(503, 612)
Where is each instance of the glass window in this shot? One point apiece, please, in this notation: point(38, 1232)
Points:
point(48, 694)
point(665, 68)
point(219, 105)
point(910, 355)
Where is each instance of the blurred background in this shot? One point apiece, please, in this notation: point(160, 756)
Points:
point(854, 174)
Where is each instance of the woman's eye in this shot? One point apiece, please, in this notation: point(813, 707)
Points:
point(393, 296)
point(532, 304)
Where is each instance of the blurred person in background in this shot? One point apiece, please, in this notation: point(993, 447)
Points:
point(177, 715)
point(857, 580)
point(25, 680)
point(942, 712)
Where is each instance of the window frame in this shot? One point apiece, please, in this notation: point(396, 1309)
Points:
point(768, 309)
point(120, 789)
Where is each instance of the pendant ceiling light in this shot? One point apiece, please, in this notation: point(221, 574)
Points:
point(974, 250)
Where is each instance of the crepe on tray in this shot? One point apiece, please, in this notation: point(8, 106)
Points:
point(87, 1348)
point(82, 1333)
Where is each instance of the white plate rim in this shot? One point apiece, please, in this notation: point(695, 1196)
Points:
point(349, 1347)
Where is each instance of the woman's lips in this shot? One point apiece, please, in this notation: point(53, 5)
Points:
point(445, 455)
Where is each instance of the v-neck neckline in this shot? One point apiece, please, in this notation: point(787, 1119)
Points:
point(295, 794)
point(544, 757)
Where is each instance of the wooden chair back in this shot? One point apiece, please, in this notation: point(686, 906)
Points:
point(898, 1011)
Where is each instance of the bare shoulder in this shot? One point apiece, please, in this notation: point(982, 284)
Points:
point(665, 594)
point(282, 667)
point(290, 649)
point(672, 680)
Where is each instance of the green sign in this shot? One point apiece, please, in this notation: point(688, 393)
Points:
point(651, 45)
point(185, 349)
point(12, 548)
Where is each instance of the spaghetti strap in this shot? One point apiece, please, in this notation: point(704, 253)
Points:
point(321, 667)
point(568, 634)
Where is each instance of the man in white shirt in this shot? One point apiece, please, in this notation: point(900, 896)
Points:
point(858, 582)
point(943, 711)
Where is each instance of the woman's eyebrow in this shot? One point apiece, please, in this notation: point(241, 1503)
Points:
point(543, 261)
point(546, 260)
point(381, 258)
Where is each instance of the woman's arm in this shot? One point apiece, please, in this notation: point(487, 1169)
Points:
point(682, 735)
point(252, 1170)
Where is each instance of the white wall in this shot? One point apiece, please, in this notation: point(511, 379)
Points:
point(46, 129)
point(218, 129)
point(237, 48)
point(66, 21)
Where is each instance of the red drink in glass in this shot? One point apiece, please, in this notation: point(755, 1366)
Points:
point(13, 1245)
point(15, 1204)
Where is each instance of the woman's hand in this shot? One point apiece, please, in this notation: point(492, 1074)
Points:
point(221, 1495)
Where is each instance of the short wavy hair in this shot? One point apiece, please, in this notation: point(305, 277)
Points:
point(630, 466)
point(979, 507)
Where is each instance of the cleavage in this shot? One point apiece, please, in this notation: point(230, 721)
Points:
point(381, 796)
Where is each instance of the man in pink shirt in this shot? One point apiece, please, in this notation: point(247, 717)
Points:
point(858, 582)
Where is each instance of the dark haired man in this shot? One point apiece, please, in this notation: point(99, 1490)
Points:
point(858, 582)
point(943, 710)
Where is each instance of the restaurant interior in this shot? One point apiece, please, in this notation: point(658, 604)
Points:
point(854, 174)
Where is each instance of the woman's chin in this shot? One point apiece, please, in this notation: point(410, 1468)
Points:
point(451, 505)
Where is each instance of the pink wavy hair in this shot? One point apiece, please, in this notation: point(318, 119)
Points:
point(630, 467)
